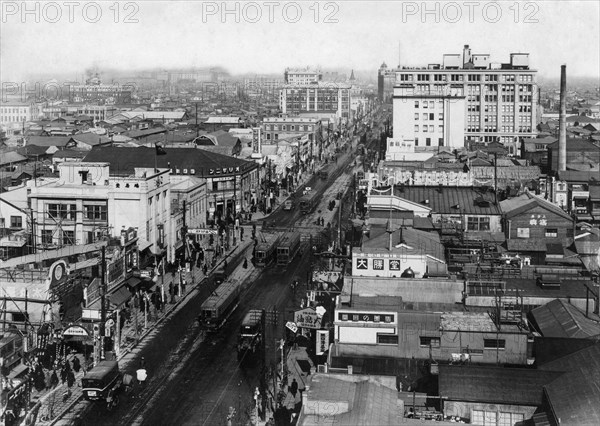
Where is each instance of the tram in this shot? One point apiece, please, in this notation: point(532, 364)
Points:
point(266, 253)
point(309, 202)
point(217, 308)
point(288, 247)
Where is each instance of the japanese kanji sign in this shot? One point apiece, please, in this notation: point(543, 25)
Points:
point(361, 263)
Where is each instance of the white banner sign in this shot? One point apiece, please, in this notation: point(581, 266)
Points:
point(322, 341)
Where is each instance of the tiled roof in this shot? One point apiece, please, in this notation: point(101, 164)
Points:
point(444, 201)
point(11, 157)
point(48, 140)
point(90, 138)
point(222, 120)
point(524, 202)
point(560, 319)
point(136, 134)
point(576, 145)
point(574, 396)
point(426, 242)
point(494, 385)
point(123, 160)
point(356, 403)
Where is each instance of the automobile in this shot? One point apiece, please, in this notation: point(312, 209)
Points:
point(288, 205)
point(103, 383)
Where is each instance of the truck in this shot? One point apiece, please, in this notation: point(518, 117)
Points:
point(250, 337)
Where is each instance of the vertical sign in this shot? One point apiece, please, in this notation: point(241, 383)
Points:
point(322, 341)
point(256, 140)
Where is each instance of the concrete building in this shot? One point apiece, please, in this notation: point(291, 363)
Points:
point(89, 201)
point(329, 100)
point(501, 98)
point(429, 121)
point(302, 76)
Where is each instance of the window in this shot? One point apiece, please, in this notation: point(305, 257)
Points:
point(494, 343)
point(424, 104)
point(510, 419)
point(68, 237)
point(427, 141)
point(440, 141)
point(64, 211)
point(416, 141)
point(96, 212)
point(522, 232)
point(425, 129)
point(478, 223)
point(431, 129)
point(431, 104)
point(46, 236)
point(387, 339)
point(551, 233)
point(416, 104)
point(416, 116)
point(431, 116)
point(425, 116)
point(425, 342)
point(16, 222)
point(417, 127)
point(485, 418)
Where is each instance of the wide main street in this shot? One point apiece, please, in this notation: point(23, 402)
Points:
point(195, 378)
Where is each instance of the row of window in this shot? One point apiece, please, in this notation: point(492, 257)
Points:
point(548, 232)
point(435, 342)
point(425, 104)
point(430, 116)
point(292, 127)
point(428, 129)
point(428, 141)
point(470, 77)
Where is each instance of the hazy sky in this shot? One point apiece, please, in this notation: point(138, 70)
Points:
point(265, 37)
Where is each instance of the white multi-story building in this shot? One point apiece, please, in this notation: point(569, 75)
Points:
point(302, 76)
point(431, 121)
point(14, 115)
point(500, 98)
point(86, 203)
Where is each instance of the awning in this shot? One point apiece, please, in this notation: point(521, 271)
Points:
point(133, 282)
point(119, 297)
point(143, 244)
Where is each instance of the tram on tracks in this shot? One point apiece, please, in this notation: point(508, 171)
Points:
point(288, 247)
point(217, 308)
point(309, 202)
point(266, 253)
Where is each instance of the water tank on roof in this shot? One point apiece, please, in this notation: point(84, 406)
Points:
point(520, 60)
point(481, 61)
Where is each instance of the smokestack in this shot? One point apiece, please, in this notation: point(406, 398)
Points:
point(562, 124)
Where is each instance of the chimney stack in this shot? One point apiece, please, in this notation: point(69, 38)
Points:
point(562, 124)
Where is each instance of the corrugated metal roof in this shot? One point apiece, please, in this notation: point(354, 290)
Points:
point(574, 396)
point(445, 199)
point(495, 385)
point(559, 319)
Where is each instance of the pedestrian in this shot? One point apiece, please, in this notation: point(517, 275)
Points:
point(76, 364)
point(205, 269)
point(63, 373)
point(183, 284)
point(294, 388)
point(171, 291)
point(70, 378)
point(245, 265)
point(54, 379)
point(141, 373)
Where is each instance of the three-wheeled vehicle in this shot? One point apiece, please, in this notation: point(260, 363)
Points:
point(103, 383)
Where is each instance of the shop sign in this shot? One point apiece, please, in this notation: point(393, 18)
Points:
point(322, 341)
point(307, 318)
point(202, 231)
point(75, 330)
point(127, 236)
point(223, 170)
point(58, 273)
point(292, 326)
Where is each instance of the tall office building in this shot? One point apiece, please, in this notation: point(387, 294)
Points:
point(500, 98)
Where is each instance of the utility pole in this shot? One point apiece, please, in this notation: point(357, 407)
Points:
point(103, 303)
point(183, 238)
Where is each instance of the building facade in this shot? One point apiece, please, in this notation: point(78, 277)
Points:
point(301, 76)
point(328, 99)
point(501, 98)
point(431, 121)
point(87, 203)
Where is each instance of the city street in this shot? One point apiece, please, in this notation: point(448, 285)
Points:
point(195, 378)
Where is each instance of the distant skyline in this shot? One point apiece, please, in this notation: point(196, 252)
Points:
point(197, 34)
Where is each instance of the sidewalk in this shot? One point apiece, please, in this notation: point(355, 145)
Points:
point(53, 404)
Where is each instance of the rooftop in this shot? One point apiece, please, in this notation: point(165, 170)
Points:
point(449, 200)
point(494, 385)
point(560, 319)
point(467, 321)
